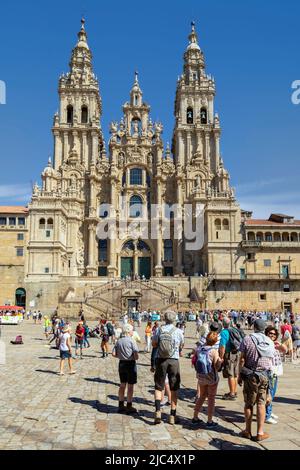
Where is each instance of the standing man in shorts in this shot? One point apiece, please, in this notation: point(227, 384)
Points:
point(169, 341)
point(256, 361)
point(231, 359)
point(126, 351)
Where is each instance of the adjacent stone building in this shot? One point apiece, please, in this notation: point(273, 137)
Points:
point(13, 247)
point(240, 262)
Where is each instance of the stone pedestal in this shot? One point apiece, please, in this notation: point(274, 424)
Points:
point(158, 271)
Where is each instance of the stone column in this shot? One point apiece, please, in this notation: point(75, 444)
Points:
point(207, 147)
point(112, 263)
point(135, 260)
point(188, 148)
point(95, 147)
point(91, 269)
point(57, 150)
point(159, 268)
point(217, 143)
point(84, 159)
point(66, 146)
point(179, 247)
point(180, 144)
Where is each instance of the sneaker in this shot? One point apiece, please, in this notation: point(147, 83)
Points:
point(271, 420)
point(157, 417)
point(274, 416)
point(197, 421)
point(229, 397)
point(121, 409)
point(212, 425)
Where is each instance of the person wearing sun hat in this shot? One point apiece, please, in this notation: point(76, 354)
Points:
point(65, 350)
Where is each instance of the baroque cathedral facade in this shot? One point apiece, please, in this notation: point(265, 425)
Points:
point(71, 265)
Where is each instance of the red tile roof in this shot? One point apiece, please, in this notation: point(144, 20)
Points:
point(14, 210)
point(260, 222)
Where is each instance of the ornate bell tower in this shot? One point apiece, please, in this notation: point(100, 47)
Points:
point(200, 171)
point(77, 125)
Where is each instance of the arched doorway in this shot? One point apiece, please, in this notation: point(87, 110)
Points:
point(136, 260)
point(20, 297)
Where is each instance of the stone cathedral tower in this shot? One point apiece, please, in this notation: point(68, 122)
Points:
point(200, 171)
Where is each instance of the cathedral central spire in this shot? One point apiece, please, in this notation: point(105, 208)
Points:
point(193, 38)
point(82, 36)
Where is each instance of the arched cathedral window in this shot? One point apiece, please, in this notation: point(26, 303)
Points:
point(190, 116)
point(84, 115)
point(136, 207)
point(136, 177)
point(203, 115)
point(42, 223)
point(102, 251)
point(70, 113)
point(168, 250)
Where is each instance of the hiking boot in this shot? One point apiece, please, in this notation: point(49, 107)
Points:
point(157, 417)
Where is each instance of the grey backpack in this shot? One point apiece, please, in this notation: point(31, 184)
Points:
point(166, 346)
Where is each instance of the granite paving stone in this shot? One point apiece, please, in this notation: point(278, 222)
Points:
point(40, 410)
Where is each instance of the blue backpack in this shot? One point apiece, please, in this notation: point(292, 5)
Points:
point(204, 364)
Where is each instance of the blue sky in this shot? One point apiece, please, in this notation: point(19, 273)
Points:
point(251, 49)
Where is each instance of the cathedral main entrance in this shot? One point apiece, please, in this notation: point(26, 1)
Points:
point(136, 260)
point(126, 267)
point(145, 267)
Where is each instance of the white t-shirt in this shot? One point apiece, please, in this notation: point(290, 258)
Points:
point(63, 341)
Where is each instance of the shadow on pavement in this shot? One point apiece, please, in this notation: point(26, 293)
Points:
point(221, 444)
point(291, 401)
point(234, 416)
point(137, 400)
point(102, 381)
point(109, 409)
point(47, 371)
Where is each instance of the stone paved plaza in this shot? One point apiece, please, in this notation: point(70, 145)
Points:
point(40, 410)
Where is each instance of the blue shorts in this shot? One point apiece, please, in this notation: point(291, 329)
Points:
point(65, 354)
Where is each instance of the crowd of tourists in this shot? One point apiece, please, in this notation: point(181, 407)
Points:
point(253, 360)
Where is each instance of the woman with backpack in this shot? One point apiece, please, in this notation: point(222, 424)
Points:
point(86, 343)
point(207, 367)
point(105, 339)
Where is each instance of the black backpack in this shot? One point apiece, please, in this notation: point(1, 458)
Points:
point(236, 337)
point(110, 329)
